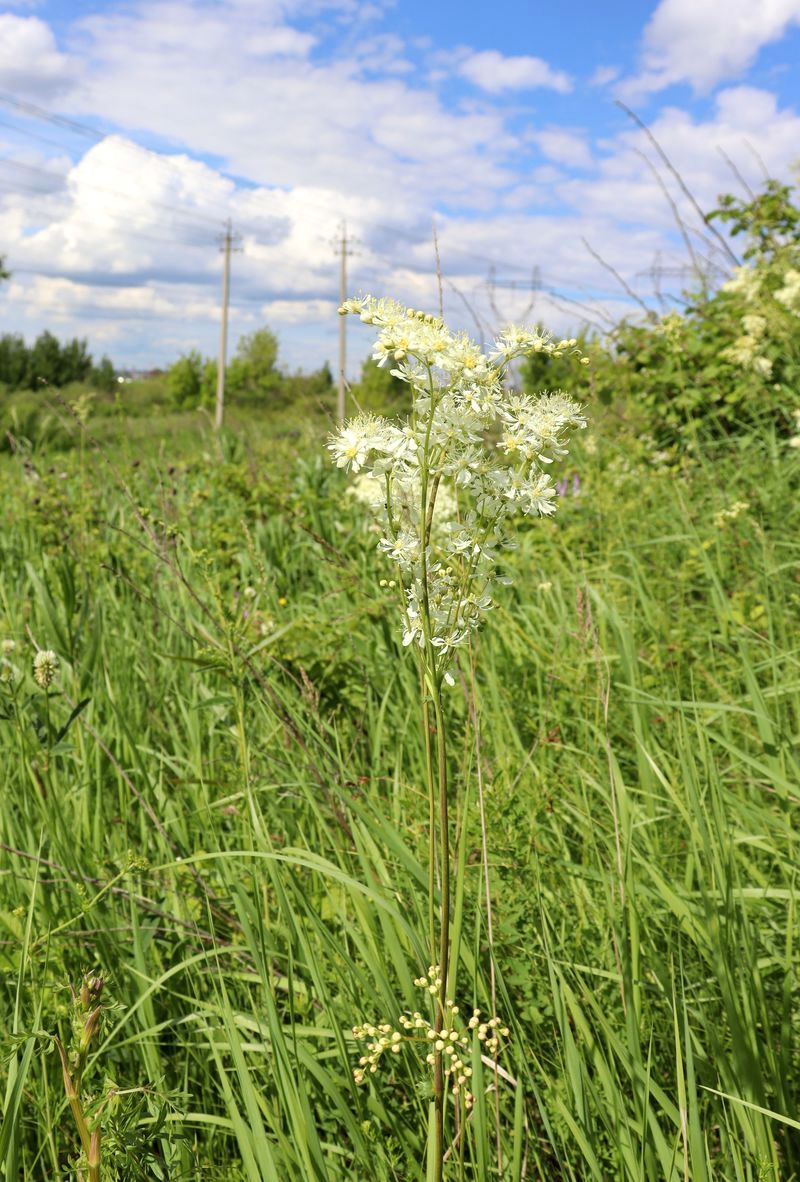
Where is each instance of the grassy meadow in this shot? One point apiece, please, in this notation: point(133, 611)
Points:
point(218, 807)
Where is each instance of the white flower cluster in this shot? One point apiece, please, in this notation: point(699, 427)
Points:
point(472, 455)
point(451, 1039)
point(789, 293)
point(45, 667)
point(746, 349)
point(746, 282)
point(8, 671)
point(722, 518)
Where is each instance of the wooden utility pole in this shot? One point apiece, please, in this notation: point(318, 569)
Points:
point(223, 332)
point(341, 407)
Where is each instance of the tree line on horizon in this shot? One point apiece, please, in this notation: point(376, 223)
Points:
point(50, 362)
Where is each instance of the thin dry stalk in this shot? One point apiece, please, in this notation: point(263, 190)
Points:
point(732, 165)
point(620, 280)
point(438, 269)
point(476, 726)
point(684, 187)
point(682, 228)
point(481, 327)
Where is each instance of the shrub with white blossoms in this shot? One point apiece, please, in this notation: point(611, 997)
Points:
point(472, 455)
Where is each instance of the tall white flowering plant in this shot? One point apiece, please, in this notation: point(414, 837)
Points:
point(445, 487)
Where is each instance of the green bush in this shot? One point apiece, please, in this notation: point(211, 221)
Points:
point(725, 363)
point(185, 379)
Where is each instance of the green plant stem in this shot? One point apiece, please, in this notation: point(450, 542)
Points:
point(74, 1101)
point(444, 924)
point(432, 843)
point(93, 1157)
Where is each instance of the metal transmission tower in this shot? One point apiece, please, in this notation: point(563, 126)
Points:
point(343, 245)
point(228, 240)
point(533, 287)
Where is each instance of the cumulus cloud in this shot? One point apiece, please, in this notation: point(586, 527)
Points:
point(318, 118)
point(564, 146)
point(30, 61)
point(494, 72)
point(624, 188)
point(704, 42)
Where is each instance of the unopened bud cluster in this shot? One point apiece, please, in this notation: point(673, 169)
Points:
point(87, 1016)
point(450, 1039)
point(445, 485)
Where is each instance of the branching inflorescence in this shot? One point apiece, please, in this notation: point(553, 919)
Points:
point(472, 455)
point(452, 1038)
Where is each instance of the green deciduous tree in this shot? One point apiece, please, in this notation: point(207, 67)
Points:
point(252, 373)
point(103, 376)
point(184, 379)
point(377, 389)
point(13, 360)
point(53, 364)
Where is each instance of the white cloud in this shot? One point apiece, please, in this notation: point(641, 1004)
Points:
point(30, 62)
point(705, 42)
point(742, 116)
point(59, 299)
point(564, 146)
point(494, 73)
point(603, 75)
point(285, 312)
point(316, 120)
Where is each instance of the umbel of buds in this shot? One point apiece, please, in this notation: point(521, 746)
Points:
point(45, 667)
point(448, 483)
point(450, 1039)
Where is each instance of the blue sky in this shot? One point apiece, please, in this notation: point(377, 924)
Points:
point(130, 132)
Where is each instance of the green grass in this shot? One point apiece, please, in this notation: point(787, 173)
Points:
point(233, 828)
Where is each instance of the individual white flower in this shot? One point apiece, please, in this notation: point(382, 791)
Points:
point(403, 549)
point(353, 443)
point(516, 339)
point(401, 442)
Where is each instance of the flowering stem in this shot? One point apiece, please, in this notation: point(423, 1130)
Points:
point(426, 727)
point(462, 418)
point(444, 925)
